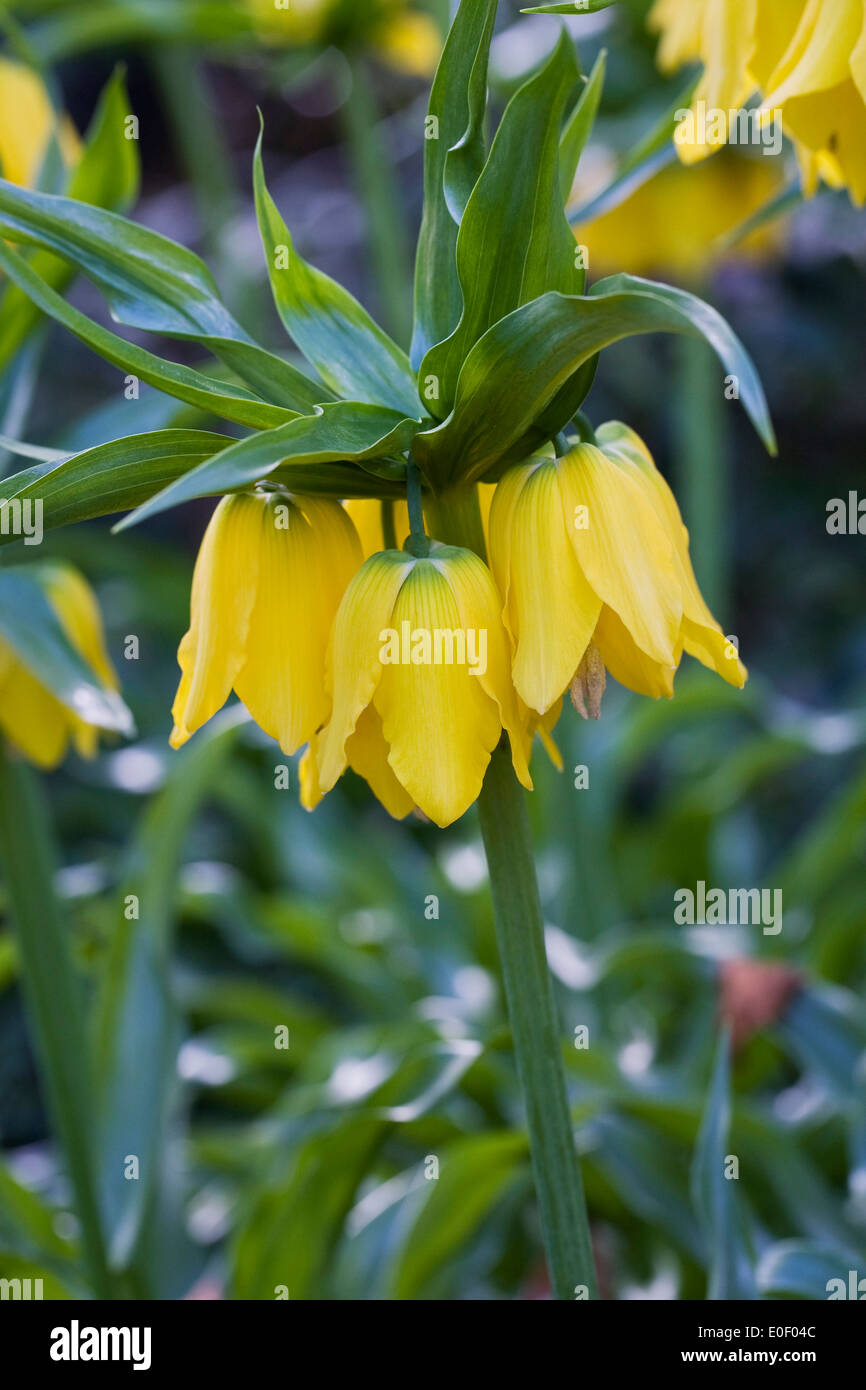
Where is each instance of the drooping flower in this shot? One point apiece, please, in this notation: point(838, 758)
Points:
point(806, 57)
point(27, 123)
point(268, 580)
point(591, 556)
point(419, 670)
point(31, 716)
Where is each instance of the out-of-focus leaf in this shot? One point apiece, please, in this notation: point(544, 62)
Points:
point(515, 371)
point(514, 242)
point(805, 1269)
point(335, 334)
point(27, 1225)
point(285, 1240)
point(824, 1029)
point(31, 627)
point(345, 430)
point(137, 1029)
point(473, 1174)
point(112, 477)
point(641, 1166)
point(714, 1192)
point(453, 151)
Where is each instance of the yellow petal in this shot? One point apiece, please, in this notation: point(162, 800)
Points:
point(440, 724)
point(75, 604)
point(308, 551)
point(624, 551)
point(550, 608)
point(33, 720)
point(366, 515)
point(411, 42)
point(680, 24)
point(223, 589)
point(628, 664)
point(27, 122)
point(354, 660)
point(367, 753)
point(818, 56)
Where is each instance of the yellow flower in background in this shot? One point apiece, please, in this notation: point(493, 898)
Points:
point(31, 717)
point(818, 82)
point(806, 57)
point(268, 580)
point(675, 220)
point(27, 123)
point(409, 40)
point(366, 514)
point(420, 672)
point(591, 557)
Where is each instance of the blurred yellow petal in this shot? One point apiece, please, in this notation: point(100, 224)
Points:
point(410, 41)
point(27, 123)
point(33, 720)
point(680, 26)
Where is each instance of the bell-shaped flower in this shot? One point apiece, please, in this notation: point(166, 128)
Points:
point(268, 580)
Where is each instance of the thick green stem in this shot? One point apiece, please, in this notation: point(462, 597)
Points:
point(535, 1028)
point(378, 194)
point(53, 994)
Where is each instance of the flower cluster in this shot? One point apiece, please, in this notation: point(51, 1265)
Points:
point(367, 663)
point(806, 58)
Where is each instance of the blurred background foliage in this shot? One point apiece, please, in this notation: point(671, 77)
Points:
point(381, 1153)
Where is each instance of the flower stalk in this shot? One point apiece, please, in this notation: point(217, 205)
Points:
point(529, 994)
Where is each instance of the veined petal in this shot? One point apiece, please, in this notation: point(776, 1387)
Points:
point(223, 588)
point(306, 558)
point(624, 550)
point(701, 634)
point(550, 605)
point(818, 56)
point(438, 721)
point(367, 753)
point(628, 664)
point(354, 660)
point(478, 607)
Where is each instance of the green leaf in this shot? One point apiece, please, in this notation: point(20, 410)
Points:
point(806, 1269)
point(454, 153)
point(31, 627)
point(111, 477)
point(53, 990)
point(517, 369)
point(578, 127)
point(343, 431)
point(151, 283)
point(137, 1028)
point(350, 352)
point(474, 1174)
point(714, 1194)
point(106, 174)
point(514, 241)
point(572, 7)
point(185, 384)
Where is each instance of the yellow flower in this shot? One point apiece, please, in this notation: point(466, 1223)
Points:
point(419, 667)
point(806, 57)
point(674, 221)
point(27, 123)
point(31, 717)
point(268, 580)
point(409, 40)
point(591, 558)
point(818, 82)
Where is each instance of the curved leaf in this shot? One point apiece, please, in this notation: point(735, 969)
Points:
point(340, 432)
point(350, 352)
point(714, 1193)
point(516, 370)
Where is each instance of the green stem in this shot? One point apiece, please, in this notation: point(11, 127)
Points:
point(535, 1028)
point(376, 188)
point(53, 994)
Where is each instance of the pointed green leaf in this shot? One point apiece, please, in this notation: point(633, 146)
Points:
point(111, 477)
point(714, 1191)
point(350, 352)
point(514, 241)
point(150, 282)
point(32, 629)
point(184, 383)
point(521, 364)
point(453, 159)
point(343, 431)
point(578, 127)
